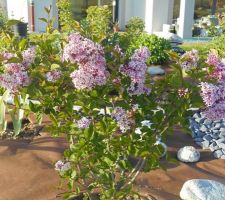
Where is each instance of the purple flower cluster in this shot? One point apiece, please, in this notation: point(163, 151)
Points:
point(53, 76)
point(14, 77)
point(211, 93)
point(215, 112)
point(83, 123)
point(189, 60)
point(90, 58)
point(213, 59)
point(218, 66)
point(136, 70)
point(7, 55)
point(29, 56)
point(122, 119)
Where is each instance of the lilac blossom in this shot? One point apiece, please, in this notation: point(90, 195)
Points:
point(90, 59)
point(29, 56)
point(7, 55)
point(122, 119)
point(215, 112)
point(53, 76)
point(82, 50)
point(212, 93)
point(136, 70)
point(118, 50)
point(87, 77)
point(83, 123)
point(189, 60)
point(213, 59)
point(219, 72)
point(141, 54)
point(62, 166)
point(14, 77)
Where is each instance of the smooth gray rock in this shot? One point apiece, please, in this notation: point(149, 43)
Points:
point(207, 137)
point(218, 153)
point(215, 136)
point(196, 115)
point(207, 122)
point(218, 125)
point(201, 189)
point(213, 146)
point(153, 71)
point(221, 145)
point(203, 128)
point(199, 120)
point(205, 144)
point(222, 133)
point(215, 131)
point(220, 141)
point(222, 130)
point(188, 154)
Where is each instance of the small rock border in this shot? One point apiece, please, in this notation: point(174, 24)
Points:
point(208, 134)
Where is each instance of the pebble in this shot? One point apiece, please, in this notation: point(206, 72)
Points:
point(218, 153)
point(222, 130)
point(203, 128)
point(205, 144)
point(217, 126)
point(221, 145)
point(188, 154)
point(207, 122)
point(213, 146)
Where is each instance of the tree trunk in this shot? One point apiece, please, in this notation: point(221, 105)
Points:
point(214, 4)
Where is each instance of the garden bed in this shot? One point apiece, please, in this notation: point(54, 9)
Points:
point(27, 169)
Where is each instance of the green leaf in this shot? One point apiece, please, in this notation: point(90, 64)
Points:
point(12, 22)
point(54, 66)
point(44, 20)
point(23, 44)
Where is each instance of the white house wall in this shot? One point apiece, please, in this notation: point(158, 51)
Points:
point(18, 9)
point(155, 13)
point(186, 18)
point(3, 6)
point(39, 12)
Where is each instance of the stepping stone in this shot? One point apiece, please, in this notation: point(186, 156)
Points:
point(188, 154)
point(201, 189)
point(154, 71)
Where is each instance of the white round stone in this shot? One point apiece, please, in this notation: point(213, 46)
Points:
point(188, 154)
point(153, 71)
point(201, 189)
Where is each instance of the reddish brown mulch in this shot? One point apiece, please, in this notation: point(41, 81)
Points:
point(27, 169)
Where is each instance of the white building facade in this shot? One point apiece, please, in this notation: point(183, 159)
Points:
point(155, 13)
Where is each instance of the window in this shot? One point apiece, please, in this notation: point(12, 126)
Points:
point(202, 8)
point(79, 6)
